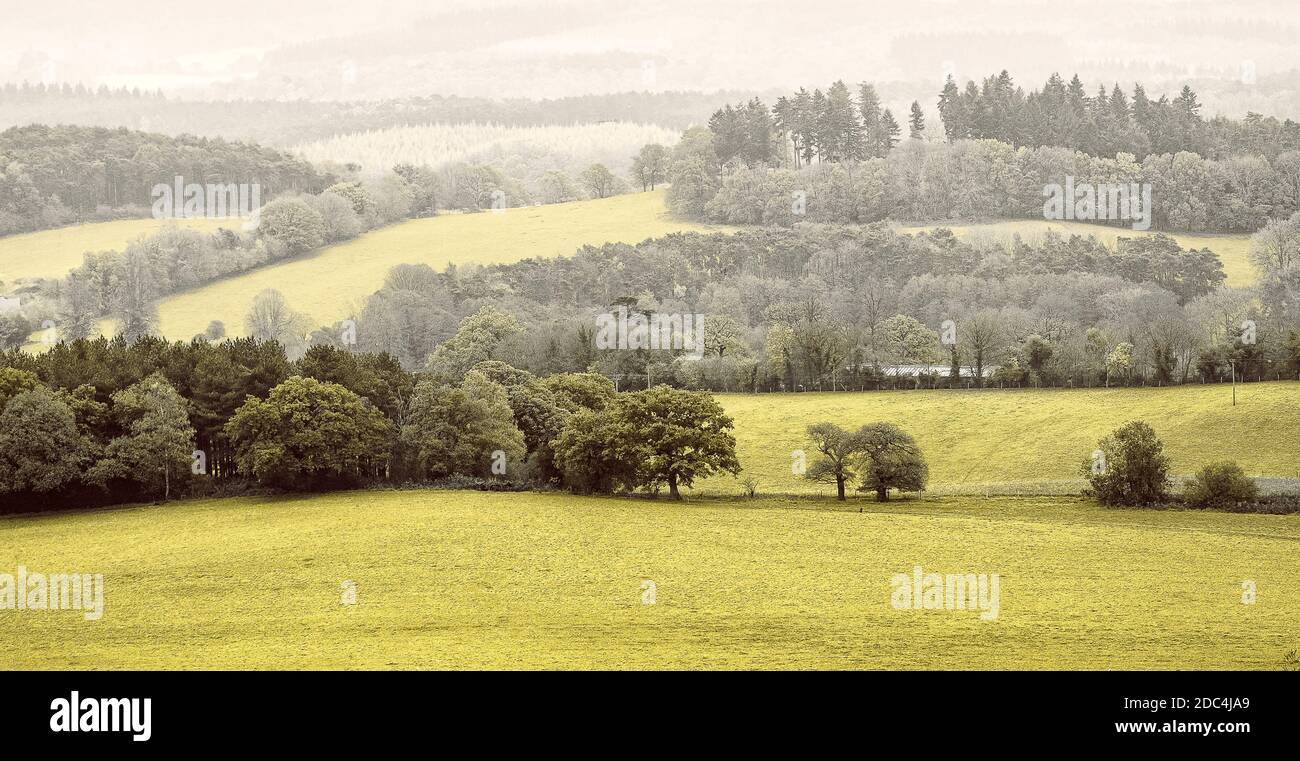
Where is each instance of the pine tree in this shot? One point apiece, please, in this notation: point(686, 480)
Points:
point(1187, 103)
point(876, 139)
point(820, 136)
point(804, 124)
point(951, 112)
point(842, 123)
point(916, 122)
point(891, 128)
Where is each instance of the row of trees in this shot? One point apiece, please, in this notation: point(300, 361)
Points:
point(823, 307)
point(1107, 123)
point(126, 285)
point(830, 126)
point(839, 125)
point(108, 421)
point(287, 123)
point(980, 180)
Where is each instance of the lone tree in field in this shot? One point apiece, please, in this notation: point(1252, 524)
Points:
point(1129, 467)
point(890, 459)
point(683, 435)
point(840, 452)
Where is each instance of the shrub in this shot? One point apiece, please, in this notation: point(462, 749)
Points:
point(1220, 484)
point(1132, 468)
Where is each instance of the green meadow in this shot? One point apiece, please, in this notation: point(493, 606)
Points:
point(1023, 440)
point(540, 581)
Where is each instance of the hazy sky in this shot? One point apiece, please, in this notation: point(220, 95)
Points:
point(382, 48)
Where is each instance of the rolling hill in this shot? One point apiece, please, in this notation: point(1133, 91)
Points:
point(447, 579)
point(54, 253)
point(331, 284)
point(1022, 441)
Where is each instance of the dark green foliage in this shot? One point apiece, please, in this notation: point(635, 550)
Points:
point(41, 449)
point(890, 459)
point(310, 434)
point(647, 439)
point(1131, 469)
point(1220, 485)
point(467, 428)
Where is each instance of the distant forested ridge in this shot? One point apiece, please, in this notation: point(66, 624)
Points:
point(851, 124)
point(1106, 123)
point(51, 176)
point(285, 123)
point(839, 156)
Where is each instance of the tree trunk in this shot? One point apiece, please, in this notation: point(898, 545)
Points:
point(839, 487)
point(167, 483)
point(882, 494)
point(672, 486)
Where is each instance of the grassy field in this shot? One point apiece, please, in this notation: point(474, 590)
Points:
point(53, 253)
point(333, 283)
point(1233, 250)
point(471, 579)
point(1023, 440)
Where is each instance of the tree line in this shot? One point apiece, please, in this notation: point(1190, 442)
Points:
point(1106, 123)
point(979, 180)
point(98, 422)
point(844, 307)
point(286, 123)
point(126, 285)
point(839, 125)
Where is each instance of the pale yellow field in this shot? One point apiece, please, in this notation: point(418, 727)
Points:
point(333, 283)
point(1022, 440)
point(522, 581)
point(54, 253)
point(1233, 250)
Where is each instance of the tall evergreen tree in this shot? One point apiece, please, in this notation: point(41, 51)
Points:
point(891, 129)
point(916, 122)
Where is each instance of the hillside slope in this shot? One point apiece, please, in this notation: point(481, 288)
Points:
point(1031, 440)
point(54, 253)
point(521, 581)
point(332, 284)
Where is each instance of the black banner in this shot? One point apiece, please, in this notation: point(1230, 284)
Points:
point(211, 710)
